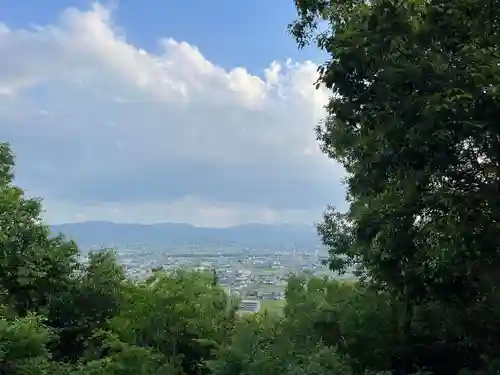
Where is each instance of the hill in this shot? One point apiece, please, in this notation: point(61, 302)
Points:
point(101, 233)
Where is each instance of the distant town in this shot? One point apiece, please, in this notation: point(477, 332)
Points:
point(252, 262)
point(244, 272)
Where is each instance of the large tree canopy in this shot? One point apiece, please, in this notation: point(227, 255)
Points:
point(413, 118)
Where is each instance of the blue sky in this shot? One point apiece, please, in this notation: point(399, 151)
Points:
point(185, 111)
point(248, 33)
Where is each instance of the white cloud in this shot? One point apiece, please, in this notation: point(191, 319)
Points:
point(113, 131)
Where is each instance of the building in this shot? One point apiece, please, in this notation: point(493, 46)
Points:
point(249, 306)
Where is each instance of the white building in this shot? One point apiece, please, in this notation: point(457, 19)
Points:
point(249, 306)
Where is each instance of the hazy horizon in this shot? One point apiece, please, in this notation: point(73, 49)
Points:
point(280, 224)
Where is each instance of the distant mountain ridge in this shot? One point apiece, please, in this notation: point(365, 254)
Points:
point(103, 233)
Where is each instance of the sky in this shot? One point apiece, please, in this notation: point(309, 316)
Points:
point(190, 111)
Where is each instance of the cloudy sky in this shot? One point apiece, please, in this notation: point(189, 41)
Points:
point(182, 111)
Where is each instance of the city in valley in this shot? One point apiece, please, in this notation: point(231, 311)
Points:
point(248, 273)
point(252, 262)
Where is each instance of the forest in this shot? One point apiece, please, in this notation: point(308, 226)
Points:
point(413, 119)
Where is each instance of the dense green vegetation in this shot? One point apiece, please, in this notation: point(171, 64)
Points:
point(414, 120)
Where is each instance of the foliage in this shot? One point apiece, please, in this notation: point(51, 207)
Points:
point(181, 315)
point(349, 316)
point(266, 344)
point(94, 296)
point(34, 267)
point(23, 345)
point(413, 118)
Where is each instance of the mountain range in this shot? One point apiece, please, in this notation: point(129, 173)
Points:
point(102, 233)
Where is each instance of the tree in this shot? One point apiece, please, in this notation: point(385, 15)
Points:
point(122, 358)
point(23, 345)
point(180, 315)
point(95, 296)
point(345, 315)
point(413, 120)
point(267, 344)
point(34, 266)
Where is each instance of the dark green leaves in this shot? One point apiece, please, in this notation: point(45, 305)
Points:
point(413, 118)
